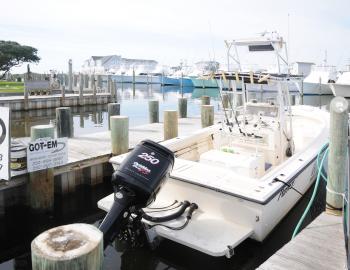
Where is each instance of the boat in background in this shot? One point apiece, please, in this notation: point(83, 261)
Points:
point(269, 43)
point(203, 76)
point(204, 82)
point(342, 86)
point(319, 79)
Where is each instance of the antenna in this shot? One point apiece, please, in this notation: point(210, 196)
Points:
point(288, 35)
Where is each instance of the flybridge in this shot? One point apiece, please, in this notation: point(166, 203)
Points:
point(267, 42)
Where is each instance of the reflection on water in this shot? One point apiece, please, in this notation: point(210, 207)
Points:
point(93, 118)
point(134, 103)
point(19, 227)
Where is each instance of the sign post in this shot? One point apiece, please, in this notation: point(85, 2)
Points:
point(5, 138)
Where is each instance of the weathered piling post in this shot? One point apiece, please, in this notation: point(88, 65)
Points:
point(292, 100)
point(170, 124)
point(81, 89)
point(41, 183)
point(74, 246)
point(337, 159)
point(64, 122)
point(113, 109)
point(182, 107)
point(302, 90)
point(86, 81)
point(70, 75)
point(153, 108)
point(26, 102)
point(205, 100)
point(225, 101)
point(207, 115)
point(114, 92)
point(133, 82)
point(119, 134)
point(109, 84)
point(63, 95)
point(99, 83)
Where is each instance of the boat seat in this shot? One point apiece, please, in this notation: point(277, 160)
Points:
point(244, 163)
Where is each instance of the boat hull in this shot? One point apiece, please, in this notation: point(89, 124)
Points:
point(203, 83)
point(139, 79)
point(315, 89)
point(233, 206)
point(342, 90)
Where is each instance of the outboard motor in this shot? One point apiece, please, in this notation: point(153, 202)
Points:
point(136, 183)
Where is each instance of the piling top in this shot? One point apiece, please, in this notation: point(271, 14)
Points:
point(118, 117)
point(42, 131)
point(63, 108)
point(67, 242)
point(339, 105)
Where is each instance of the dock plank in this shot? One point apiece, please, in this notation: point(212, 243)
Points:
point(319, 246)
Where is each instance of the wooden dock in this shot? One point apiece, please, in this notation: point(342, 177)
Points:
point(319, 246)
point(88, 155)
point(18, 103)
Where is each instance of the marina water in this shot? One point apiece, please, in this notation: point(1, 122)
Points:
point(19, 227)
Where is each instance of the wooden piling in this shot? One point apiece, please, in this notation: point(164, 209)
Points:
point(119, 134)
point(205, 100)
point(207, 115)
point(86, 81)
point(337, 159)
point(41, 183)
point(109, 84)
point(225, 101)
point(81, 89)
point(182, 107)
point(70, 75)
point(292, 100)
point(63, 95)
point(74, 246)
point(153, 108)
point(114, 93)
point(99, 82)
point(26, 102)
point(113, 109)
point(64, 122)
point(170, 124)
point(93, 86)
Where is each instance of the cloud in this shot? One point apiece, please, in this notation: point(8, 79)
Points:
point(169, 31)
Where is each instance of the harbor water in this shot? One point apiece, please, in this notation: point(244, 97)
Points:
point(19, 226)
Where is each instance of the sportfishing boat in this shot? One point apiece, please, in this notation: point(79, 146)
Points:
point(318, 81)
point(268, 43)
point(342, 85)
point(203, 76)
point(244, 175)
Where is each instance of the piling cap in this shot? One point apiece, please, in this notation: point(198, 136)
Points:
point(67, 242)
point(339, 105)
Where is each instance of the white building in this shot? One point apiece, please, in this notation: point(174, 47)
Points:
point(115, 64)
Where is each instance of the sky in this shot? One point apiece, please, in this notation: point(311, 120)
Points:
point(172, 31)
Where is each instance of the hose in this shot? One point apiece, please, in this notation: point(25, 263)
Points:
point(169, 217)
point(297, 228)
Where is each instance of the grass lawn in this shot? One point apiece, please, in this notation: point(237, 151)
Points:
point(11, 87)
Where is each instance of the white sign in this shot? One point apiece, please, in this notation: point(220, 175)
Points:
point(5, 143)
point(47, 153)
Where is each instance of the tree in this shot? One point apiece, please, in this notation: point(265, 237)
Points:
point(14, 54)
